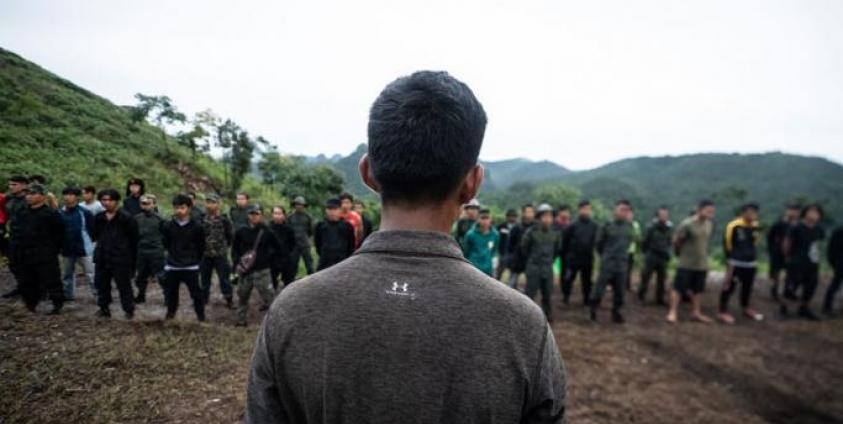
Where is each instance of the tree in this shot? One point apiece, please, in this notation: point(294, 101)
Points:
point(240, 159)
point(195, 140)
point(160, 109)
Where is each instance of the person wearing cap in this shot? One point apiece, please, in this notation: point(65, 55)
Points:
point(37, 251)
point(739, 245)
point(803, 252)
point(578, 253)
point(135, 188)
point(115, 255)
point(480, 244)
point(302, 225)
point(613, 246)
point(256, 237)
point(219, 234)
point(406, 330)
point(239, 213)
point(77, 246)
point(3, 219)
point(541, 245)
point(464, 224)
point(184, 240)
point(353, 218)
point(504, 229)
point(151, 256)
point(281, 259)
point(15, 203)
point(50, 198)
point(517, 261)
point(334, 237)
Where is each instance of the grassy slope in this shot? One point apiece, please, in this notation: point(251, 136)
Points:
point(52, 127)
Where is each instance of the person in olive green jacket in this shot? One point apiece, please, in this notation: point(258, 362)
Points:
point(151, 257)
point(239, 213)
point(658, 239)
point(302, 225)
point(613, 243)
point(541, 245)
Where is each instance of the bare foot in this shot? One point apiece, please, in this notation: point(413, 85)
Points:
point(753, 314)
point(671, 318)
point(703, 318)
point(726, 318)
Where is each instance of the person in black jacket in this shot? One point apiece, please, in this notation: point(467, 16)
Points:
point(802, 251)
point(775, 249)
point(516, 260)
point(578, 252)
point(835, 258)
point(256, 237)
point(504, 229)
point(739, 242)
point(116, 235)
point(282, 261)
point(135, 188)
point(184, 239)
point(334, 237)
point(37, 251)
point(658, 241)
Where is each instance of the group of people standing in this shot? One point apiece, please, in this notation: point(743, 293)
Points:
point(544, 235)
point(116, 239)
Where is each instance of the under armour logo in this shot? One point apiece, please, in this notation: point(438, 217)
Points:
point(403, 287)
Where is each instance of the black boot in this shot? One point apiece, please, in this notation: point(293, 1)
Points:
point(104, 313)
point(806, 313)
point(617, 318)
point(229, 302)
point(140, 298)
point(593, 314)
point(15, 292)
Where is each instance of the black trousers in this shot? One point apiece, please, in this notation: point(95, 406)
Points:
point(740, 275)
point(35, 279)
point(301, 252)
point(104, 273)
point(223, 268)
point(149, 266)
point(832, 289)
point(805, 277)
point(285, 270)
point(659, 267)
point(571, 271)
point(614, 276)
point(540, 278)
point(172, 281)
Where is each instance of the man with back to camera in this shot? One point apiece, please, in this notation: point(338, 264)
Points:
point(415, 333)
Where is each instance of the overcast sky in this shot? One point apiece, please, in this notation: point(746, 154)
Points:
point(581, 83)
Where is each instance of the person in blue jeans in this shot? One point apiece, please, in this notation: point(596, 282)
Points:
point(77, 246)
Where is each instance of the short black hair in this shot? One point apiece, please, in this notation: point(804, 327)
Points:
point(40, 179)
point(485, 211)
point(564, 207)
point(527, 206)
point(815, 206)
point(704, 203)
point(623, 202)
point(71, 190)
point(182, 199)
point(110, 192)
point(750, 205)
point(345, 196)
point(511, 212)
point(89, 189)
point(425, 132)
point(583, 203)
point(19, 179)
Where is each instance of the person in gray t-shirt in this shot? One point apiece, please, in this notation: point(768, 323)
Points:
point(407, 330)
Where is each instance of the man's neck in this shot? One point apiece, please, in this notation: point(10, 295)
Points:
point(438, 218)
point(36, 205)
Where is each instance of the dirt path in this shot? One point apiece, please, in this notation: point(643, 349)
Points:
point(76, 368)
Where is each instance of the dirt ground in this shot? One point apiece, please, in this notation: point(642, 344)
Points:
point(76, 368)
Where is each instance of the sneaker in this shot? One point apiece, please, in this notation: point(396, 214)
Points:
point(104, 313)
point(753, 314)
point(617, 318)
point(806, 313)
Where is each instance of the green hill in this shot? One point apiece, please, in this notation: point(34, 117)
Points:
point(50, 126)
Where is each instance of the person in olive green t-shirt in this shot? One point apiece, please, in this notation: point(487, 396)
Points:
point(691, 243)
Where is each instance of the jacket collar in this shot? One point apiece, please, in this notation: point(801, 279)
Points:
point(416, 243)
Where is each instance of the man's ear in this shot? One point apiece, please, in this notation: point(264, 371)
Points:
point(471, 184)
point(366, 174)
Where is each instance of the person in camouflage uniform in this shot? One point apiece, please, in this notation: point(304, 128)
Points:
point(613, 242)
point(218, 235)
point(150, 261)
point(302, 225)
point(658, 239)
point(541, 245)
point(15, 203)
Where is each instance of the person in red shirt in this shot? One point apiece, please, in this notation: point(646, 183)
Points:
point(353, 218)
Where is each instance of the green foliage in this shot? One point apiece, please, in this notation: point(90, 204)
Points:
point(51, 127)
point(292, 177)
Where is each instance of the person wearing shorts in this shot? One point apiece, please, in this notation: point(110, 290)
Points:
point(691, 242)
